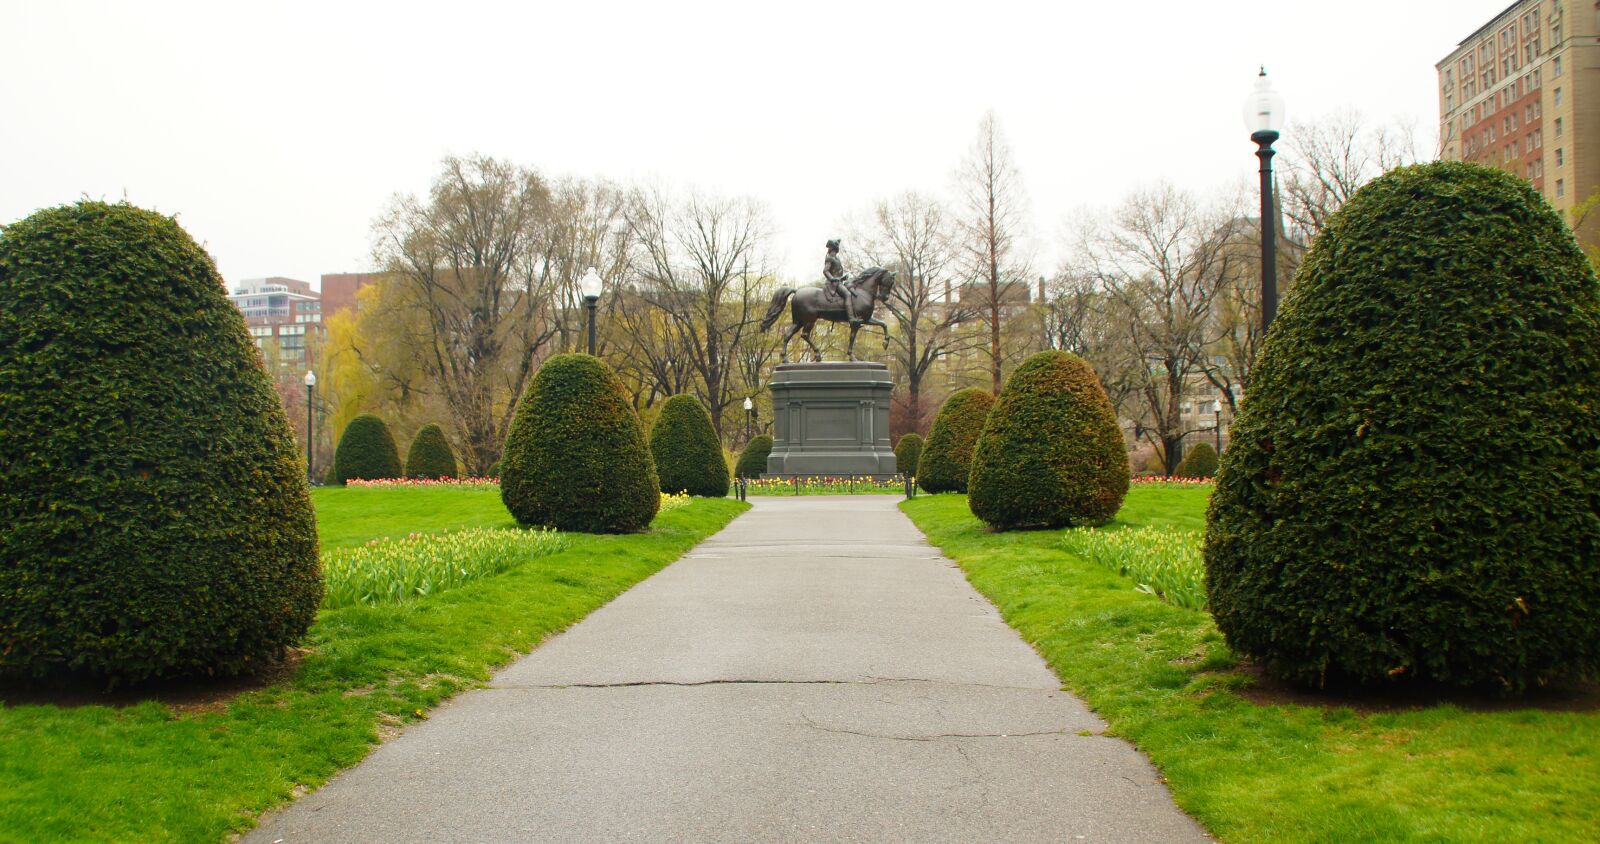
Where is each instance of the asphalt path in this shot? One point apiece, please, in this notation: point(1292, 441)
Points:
point(814, 672)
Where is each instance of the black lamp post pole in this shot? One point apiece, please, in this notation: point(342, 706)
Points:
point(591, 302)
point(1269, 235)
point(311, 439)
point(1219, 428)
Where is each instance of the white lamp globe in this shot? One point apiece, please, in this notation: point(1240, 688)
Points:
point(590, 285)
point(311, 378)
point(1263, 109)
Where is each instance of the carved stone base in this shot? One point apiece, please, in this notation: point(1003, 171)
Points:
point(831, 418)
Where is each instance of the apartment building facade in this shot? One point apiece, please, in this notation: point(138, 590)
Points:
point(1522, 93)
point(284, 316)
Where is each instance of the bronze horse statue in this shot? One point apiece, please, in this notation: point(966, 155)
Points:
point(812, 303)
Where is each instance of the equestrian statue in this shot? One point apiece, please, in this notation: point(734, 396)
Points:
point(837, 300)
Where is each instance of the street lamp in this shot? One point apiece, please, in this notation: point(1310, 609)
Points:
point(590, 286)
point(1263, 115)
point(311, 384)
point(749, 416)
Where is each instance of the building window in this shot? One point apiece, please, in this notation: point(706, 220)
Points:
point(1555, 66)
point(1561, 187)
point(1558, 97)
point(1558, 127)
point(1561, 158)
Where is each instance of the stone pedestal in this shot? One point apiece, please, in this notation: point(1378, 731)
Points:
point(831, 418)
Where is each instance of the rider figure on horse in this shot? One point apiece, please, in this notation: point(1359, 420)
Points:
point(833, 280)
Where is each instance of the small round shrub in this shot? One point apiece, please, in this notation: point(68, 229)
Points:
point(430, 456)
point(687, 452)
point(366, 451)
point(753, 460)
point(1413, 487)
point(907, 452)
point(154, 515)
point(1051, 453)
point(576, 457)
point(1200, 462)
point(947, 455)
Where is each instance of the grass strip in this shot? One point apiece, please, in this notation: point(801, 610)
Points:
point(148, 772)
point(1162, 677)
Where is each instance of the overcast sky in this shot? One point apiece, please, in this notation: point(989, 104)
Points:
point(278, 131)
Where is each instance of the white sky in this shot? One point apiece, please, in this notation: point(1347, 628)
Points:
point(277, 131)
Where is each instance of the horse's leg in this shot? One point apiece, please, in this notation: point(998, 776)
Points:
point(788, 335)
point(854, 328)
point(816, 353)
point(883, 325)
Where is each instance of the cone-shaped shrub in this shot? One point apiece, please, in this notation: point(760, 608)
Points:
point(753, 460)
point(1413, 486)
point(907, 452)
point(366, 451)
point(1200, 462)
point(154, 514)
point(947, 455)
point(687, 452)
point(430, 455)
point(576, 457)
point(1051, 453)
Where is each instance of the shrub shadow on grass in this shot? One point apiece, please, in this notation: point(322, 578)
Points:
point(191, 695)
point(1252, 683)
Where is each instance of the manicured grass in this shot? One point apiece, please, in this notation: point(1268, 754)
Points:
point(1163, 678)
point(149, 773)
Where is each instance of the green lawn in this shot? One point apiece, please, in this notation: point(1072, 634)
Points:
point(1162, 677)
point(148, 773)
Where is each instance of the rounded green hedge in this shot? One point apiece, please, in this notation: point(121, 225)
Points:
point(687, 452)
point(154, 515)
point(1051, 453)
point(1413, 486)
point(430, 456)
point(907, 452)
point(576, 457)
point(753, 460)
point(947, 455)
point(366, 451)
point(1200, 462)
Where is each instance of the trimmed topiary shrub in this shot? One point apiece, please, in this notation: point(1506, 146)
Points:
point(1413, 486)
point(687, 452)
point(1051, 453)
point(430, 456)
point(753, 460)
point(154, 514)
point(947, 455)
point(576, 457)
point(907, 452)
point(1200, 462)
point(366, 451)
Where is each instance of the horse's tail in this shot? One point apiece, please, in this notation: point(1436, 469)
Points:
point(776, 310)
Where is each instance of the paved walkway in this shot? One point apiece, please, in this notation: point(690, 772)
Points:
point(770, 686)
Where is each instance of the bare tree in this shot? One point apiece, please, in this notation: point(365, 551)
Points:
point(701, 262)
point(467, 260)
point(1327, 160)
point(991, 209)
point(1160, 258)
point(912, 235)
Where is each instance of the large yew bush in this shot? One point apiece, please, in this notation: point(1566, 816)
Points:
point(1200, 462)
point(576, 458)
point(366, 451)
point(753, 460)
point(907, 452)
point(947, 455)
point(1051, 453)
point(687, 452)
point(154, 514)
point(1413, 486)
point(430, 456)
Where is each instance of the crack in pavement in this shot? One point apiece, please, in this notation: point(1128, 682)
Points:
point(933, 737)
point(871, 681)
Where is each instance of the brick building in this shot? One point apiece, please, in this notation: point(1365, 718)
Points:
point(284, 316)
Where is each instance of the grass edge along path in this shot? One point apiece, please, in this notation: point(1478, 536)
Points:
point(1162, 677)
point(146, 772)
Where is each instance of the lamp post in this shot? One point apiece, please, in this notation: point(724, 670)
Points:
point(1219, 427)
point(1263, 115)
point(590, 286)
point(311, 472)
point(749, 417)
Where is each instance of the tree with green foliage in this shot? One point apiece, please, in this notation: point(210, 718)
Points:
point(1051, 453)
point(430, 456)
point(576, 458)
point(155, 519)
point(907, 452)
point(753, 460)
point(366, 451)
point(947, 455)
point(1413, 487)
point(1200, 462)
point(687, 452)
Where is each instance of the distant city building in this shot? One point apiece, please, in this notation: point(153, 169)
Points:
point(1523, 94)
point(339, 290)
point(282, 314)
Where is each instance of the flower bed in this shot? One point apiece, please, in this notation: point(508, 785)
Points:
point(1173, 481)
point(1165, 562)
point(389, 571)
point(484, 484)
point(826, 485)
